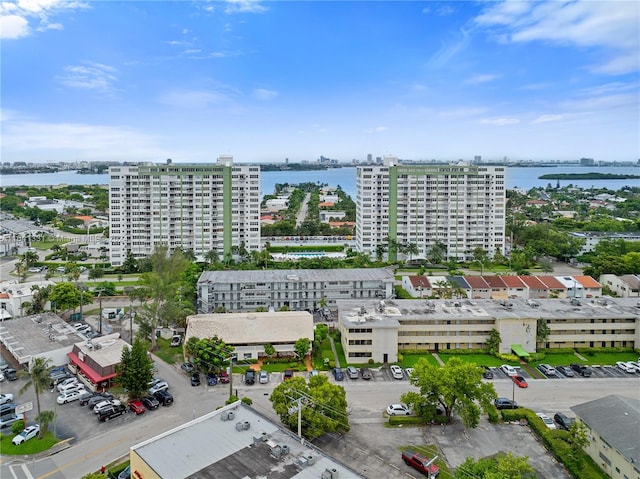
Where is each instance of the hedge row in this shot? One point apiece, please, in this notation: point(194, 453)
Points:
point(577, 462)
point(415, 420)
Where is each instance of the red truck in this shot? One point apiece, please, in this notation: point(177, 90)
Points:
point(420, 463)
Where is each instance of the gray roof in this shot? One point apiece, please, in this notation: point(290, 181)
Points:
point(210, 447)
point(617, 420)
point(21, 226)
point(259, 275)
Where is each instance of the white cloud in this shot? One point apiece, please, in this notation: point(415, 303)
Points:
point(91, 76)
point(613, 27)
point(263, 94)
point(547, 119)
point(462, 112)
point(381, 128)
point(444, 11)
point(15, 17)
point(500, 121)
point(476, 79)
point(450, 48)
point(195, 99)
point(244, 6)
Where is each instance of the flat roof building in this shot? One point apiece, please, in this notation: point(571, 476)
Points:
point(233, 442)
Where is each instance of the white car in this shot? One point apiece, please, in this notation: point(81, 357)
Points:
point(625, 367)
point(409, 372)
point(5, 398)
point(105, 404)
point(398, 410)
point(263, 377)
point(634, 365)
point(159, 386)
point(509, 370)
point(67, 382)
point(547, 370)
point(546, 420)
point(26, 434)
point(70, 396)
point(396, 372)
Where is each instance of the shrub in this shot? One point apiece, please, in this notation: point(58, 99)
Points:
point(17, 427)
point(371, 361)
point(512, 358)
point(400, 357)
point(332, 364)
point(493, 416)
point(247, 401)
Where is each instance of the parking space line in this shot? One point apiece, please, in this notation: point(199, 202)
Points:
point(25, 469)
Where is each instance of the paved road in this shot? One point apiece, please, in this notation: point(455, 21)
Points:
point(96, 444)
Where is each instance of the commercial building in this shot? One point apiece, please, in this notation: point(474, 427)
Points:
point(234, 441)
point(459, 206)
point(95, 361)
point(613, 424)
point(378, 330)
point(202, 208)
point(296, 289)
point(15, 295)
point(249, 332)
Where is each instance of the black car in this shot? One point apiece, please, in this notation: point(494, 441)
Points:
point(563, 421)
point(99, 398)
point(338, 374)
point(250, 377)
point(164, 397)
point(212, 379)
point(84, 397)
point(366, 373)
point(504, 403)
point(111, 412)
point(195, 379)
point(150, 402)
point(582, 370)
point(488, 373)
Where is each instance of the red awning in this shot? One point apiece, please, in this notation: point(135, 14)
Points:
point(93, 376)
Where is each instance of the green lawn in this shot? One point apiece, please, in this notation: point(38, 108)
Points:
point(557, 359)
point(479, 359)
point(32, 446)
point(607, 358)
point(168, 354)
point(409, 360)
point(279, 367)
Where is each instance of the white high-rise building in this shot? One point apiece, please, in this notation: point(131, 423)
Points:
point(198, 207)
point(458, 207)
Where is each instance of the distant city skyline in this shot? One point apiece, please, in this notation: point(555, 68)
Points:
point(267, 81)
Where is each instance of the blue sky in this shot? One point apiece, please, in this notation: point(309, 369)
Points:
point(265, 81)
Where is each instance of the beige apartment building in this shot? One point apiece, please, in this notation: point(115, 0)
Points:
point(379, 330)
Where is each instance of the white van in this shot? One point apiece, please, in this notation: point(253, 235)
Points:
point(70, 387)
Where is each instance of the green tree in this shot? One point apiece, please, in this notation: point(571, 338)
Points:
point(39, 298)
point(542, 331)
point(66, 296)
point(44, 419)
point(38, 379)
point(269, 350)
point(457, 386)
point(210, 354)
point(324, 405)
point(301, 347)
point(437, 252)
point(135, 370)
point(501, 466)
point(493, 343)
point(30, 258)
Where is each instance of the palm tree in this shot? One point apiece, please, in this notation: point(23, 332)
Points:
point(44, 419)
point(38, 377)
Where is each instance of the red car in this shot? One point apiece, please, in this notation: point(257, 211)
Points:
point(520, 381)
point(223, 377)
point(136, 406)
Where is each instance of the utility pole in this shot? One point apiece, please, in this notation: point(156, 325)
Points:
point(100, 317)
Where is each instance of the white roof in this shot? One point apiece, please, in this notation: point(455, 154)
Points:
point(252, 328)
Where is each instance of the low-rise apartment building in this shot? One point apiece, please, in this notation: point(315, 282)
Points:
point(378, 330)
point(625, 286)
point(296, 289)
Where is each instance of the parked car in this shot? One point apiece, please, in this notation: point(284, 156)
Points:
point(581, 369)
point(98, 399)
point(176, 339)
point(352, 372)
point(125, 473)
point(409, 373)
point(421, 463)
point(110, 412)
point(398, 410)
point(396, 372)
point(136, 406)
point(212, 379)
point(250, 377)
point(150, 402)
point(66, 382)
point(10, 374)
point(27, 433)
point(223, 377)
point(187, 367)
point(263, 377)
point(5, 398)
point(504, 403)
point(8, 419)
point(70, 396)
point(158, 387)
point(509, 370)
point(547, 370)
point(101, 406)
point(195, 379)
point(546, 420)
point(164, 397)
point(566, 370)
point(84, 399)
point(488, 373)
point(563, 421)
point(625, 367)
point(520, 381)
point(366, 373)
point(58, 377)
point(288, 374)
point(338, 374)
point(57, 370)
point(634, 366)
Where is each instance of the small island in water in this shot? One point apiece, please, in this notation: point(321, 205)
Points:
point(587, 176)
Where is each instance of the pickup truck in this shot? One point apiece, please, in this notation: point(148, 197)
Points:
point(419, 463)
